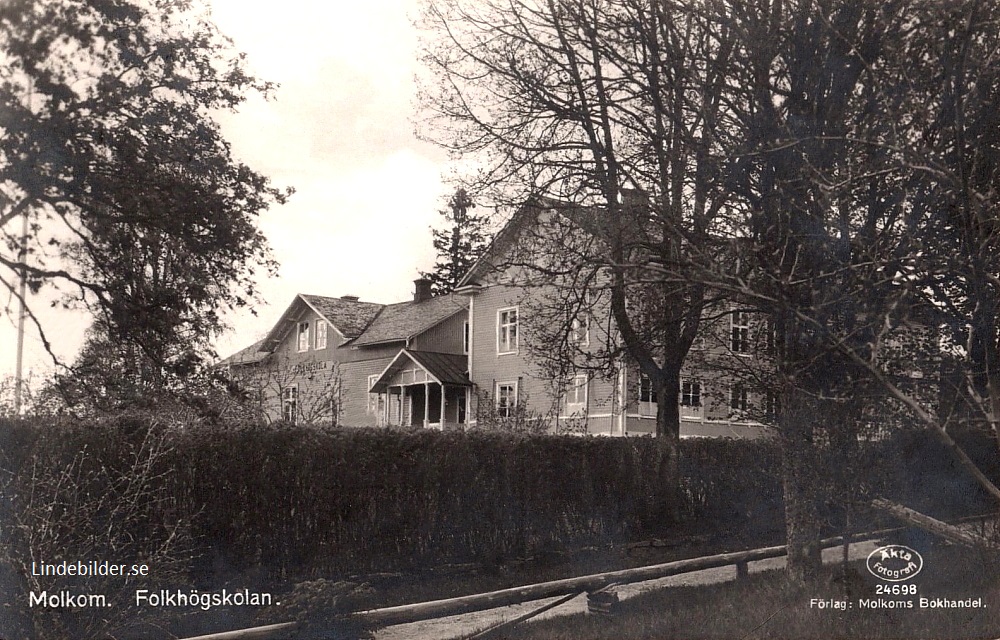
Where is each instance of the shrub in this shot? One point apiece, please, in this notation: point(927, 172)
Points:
point(353, 499)
point(94, 492)
point(294, 501)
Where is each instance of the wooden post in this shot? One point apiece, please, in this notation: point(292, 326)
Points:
point(385, 409)
point(427, 404)
point(742, 570)
point(604, 601)
point(442, 408)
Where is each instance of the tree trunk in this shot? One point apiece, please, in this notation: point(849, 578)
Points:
point(802, 528)
point(668, 430)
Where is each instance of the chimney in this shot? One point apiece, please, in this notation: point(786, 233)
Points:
point(350, 298)
point(633, 198)
point(422, 289)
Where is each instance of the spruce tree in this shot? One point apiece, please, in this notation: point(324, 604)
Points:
point(459, 244)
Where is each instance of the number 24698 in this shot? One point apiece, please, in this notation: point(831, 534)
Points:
point(896, 589)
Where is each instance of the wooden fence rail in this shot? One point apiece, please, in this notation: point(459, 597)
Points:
point(268, 632)
point(406, 613)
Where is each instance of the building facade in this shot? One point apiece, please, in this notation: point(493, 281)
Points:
point(346, 362)
point(466, 359)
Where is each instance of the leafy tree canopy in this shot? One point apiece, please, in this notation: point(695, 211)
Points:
point(136, 208)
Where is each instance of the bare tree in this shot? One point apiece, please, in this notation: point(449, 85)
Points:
point(826, 164)
point(864, 171)
point(612, 108)
point(276, 390)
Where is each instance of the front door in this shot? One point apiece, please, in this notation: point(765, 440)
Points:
point(416, 401)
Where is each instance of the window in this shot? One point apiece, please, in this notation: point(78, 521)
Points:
point(770, 336)
point(465, 337)
point(303, 336)
point(507, 330)
point(290, 403)
point(579, 331)
point(576, 395)
point(740, 332)
point(772, 406)
point(647, 393)
point(321, 334)
point(691, 393)
point(506, 399)
point(738, 397)
point(647, 397)
point(372, 396)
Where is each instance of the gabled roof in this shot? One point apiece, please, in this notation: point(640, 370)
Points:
point(361, 323)
point(402, 321)
point(347, 317)
point(248, 355)
point(350, 317)
point(526, 215)
point(442, 368)
point(594, 220)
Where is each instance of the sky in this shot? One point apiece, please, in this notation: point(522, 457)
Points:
point(339, 130)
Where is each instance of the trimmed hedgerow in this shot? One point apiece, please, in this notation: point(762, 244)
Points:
point(303, 501)
point(358, 499)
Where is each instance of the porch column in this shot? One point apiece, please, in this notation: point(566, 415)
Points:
point(441, 428)
point(427, 404)
point(385, 407)
point(399, 407)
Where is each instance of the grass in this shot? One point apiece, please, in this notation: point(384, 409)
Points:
point(766, 606)
point(447, 581)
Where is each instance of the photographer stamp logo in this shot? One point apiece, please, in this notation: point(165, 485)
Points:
point(894, 563)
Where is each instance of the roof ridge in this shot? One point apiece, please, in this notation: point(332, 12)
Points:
point(375, 317)
point(341, 299)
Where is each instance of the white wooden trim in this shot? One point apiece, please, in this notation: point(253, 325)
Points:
point(575, 386)
point(496, 392)
point(472, 342)
point(427, 404)
point(517, 330)
point(441, 416)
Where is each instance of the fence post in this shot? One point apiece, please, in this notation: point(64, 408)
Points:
point(604, 601)
point(742, 570)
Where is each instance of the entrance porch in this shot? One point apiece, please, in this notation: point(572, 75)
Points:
point(425, 389)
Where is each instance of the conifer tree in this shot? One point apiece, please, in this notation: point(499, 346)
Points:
point(458, 245)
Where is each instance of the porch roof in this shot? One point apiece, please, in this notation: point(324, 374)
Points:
point(441, 368)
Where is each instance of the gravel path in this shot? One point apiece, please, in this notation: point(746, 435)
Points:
point(468, 623)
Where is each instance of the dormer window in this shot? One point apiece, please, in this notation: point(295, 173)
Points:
point(321, 334)
point(303, 336)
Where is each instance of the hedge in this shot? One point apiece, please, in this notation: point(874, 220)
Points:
point(303, 501)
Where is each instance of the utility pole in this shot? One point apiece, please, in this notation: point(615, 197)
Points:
point(22, 257)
